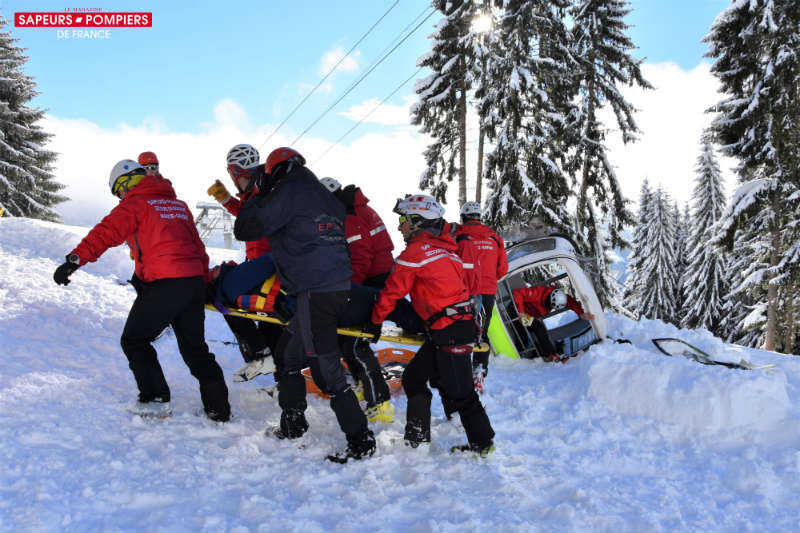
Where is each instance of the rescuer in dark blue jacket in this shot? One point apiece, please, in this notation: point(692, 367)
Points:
point(305, 227)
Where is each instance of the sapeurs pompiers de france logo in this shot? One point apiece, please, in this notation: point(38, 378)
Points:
point(93, 22)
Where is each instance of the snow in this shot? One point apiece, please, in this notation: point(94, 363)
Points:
point(621, 438)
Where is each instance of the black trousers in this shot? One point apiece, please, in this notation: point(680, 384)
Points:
point(364, 367)
point(178, 302)
point(445, 358)
point(310, 339)
point(487, 306)
point(253, 335)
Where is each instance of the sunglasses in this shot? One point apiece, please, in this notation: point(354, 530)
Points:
point(151, 167)
point(403, 219)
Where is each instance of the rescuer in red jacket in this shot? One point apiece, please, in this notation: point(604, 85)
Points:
point(534, 303)
point(369, 242)
point(493, 265)
point(172, 264)
point(257, 339)
point(431, 272)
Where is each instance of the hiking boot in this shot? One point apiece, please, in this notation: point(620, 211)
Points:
point(358, 447)
point(478, 378)
point(256, 367)
point(383, 412)
point(293, 425)
point(478, 451)
point(155, 408)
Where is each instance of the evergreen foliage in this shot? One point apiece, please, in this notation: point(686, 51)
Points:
point(602, 49)
point(755, 46)
point(657, 281)
point(27, 185)
point(706, 284)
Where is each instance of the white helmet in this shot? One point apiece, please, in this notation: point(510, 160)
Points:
point(332, 184)
point(471, 210)
point(423, 205)
point(126, 167)
point(243, 156)
point(557, 300)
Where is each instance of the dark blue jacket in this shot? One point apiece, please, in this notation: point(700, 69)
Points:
point(305, 226)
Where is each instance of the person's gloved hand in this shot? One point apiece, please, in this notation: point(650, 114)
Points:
point(527, 320)
point(63, 272)
point(219, 192)
point(374, 330)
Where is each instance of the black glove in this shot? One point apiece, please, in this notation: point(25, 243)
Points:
point(64, 271)
point(374, 330)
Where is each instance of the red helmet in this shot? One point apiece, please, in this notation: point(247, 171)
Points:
point(279, 155)
point(148, 158)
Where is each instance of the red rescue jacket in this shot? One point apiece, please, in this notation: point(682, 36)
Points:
point(431, 272)
point(491, 253)
point(533, 301)
point(468, 253)
point(159, 230)
point(369, 242)
point(253, 249)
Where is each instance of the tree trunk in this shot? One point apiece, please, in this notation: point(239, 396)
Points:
point(772, 289)
point(462, 149)
point(479, 179)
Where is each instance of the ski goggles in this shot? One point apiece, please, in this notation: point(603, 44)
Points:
point(126, 182)
point(237, 172)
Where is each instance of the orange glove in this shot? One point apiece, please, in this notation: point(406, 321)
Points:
point(219, 192)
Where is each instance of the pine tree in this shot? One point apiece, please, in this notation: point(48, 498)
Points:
point(442, 106)
point(755, 48)
point(706, 284)
point(27, 184)
point(521, 115)
point(680, 223)
point(743, 317)
point(604, 65)
point(657, 283)
point(635, 268)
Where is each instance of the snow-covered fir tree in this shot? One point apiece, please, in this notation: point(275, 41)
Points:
point(657, 279)
point(755, 46)
point(523, 171)
point(27, 185)
point(442, 106)
point(680, 223)
point(633, 279)
point(707, 281)
point(744, 308)
point(602, 49)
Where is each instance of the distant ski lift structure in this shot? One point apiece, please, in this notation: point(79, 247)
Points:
point(213, 217)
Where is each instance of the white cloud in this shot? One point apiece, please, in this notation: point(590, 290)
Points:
point(386, 166)
point(331, 57)
point(671, 118)
point(385, 115)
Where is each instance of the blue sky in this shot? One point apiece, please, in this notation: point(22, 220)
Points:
point(266, 56)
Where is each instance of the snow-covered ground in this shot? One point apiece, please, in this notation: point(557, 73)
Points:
point(621, 438)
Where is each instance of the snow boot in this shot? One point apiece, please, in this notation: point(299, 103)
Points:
point(218, 416)
point(155, 408)
point(417, 432)
point(293, 425)
point(383, 412)
point(358, 447)
point(477, 450)
point(251, 369)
